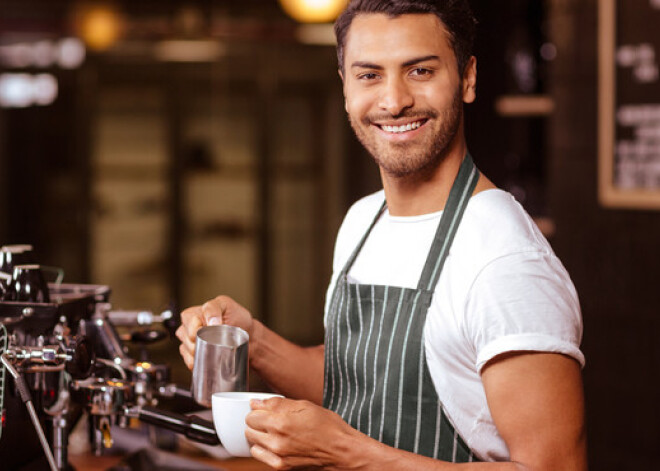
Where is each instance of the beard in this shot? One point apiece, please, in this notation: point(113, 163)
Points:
point(411, 158)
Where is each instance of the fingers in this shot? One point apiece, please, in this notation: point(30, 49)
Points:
point(267, 457)
point(191, 321)
point(213, 311)
point(257, 421)
point(188, 357)
point(268, 448)
point(221, 310)
point(266, 416)
point(286, 433)
point(284, 463)
point(270, 415)
point(260, 440)
point(277, 452)
point(267, 404)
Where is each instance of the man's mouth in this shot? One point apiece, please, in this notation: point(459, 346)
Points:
point(403, 127)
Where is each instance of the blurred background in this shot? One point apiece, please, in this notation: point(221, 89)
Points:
point(180, 149)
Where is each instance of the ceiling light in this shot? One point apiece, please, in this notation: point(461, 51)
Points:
point(99, 24)
point(313, 11)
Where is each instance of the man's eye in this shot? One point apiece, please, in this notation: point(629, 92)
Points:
point(421, 71)
point(368, 76)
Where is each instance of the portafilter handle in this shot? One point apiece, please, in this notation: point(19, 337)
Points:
point(193, 427)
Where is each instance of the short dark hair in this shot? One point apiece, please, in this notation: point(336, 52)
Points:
point(455, 15)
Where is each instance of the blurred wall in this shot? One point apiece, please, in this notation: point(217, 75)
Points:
point(612, 255)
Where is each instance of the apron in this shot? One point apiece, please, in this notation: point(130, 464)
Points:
point(376, 375)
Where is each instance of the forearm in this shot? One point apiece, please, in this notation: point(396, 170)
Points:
point(292, 370)
point(366, 454)
point(404, 461)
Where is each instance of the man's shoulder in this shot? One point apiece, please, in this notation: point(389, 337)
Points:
point(496, 225)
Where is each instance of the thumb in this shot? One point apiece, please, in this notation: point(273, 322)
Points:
point(213, 311)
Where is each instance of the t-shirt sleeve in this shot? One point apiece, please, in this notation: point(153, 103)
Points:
point(523, 302)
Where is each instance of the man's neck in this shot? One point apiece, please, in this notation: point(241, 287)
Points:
point(426, 192)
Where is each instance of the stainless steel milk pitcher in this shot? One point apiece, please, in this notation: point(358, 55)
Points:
point(221, 362)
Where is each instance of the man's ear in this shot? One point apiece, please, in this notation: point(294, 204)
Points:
point(343, 82)
point(470, 81)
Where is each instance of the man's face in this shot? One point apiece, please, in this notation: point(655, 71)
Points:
point(403, 91)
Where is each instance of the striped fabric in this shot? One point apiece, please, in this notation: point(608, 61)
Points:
point(376, 376)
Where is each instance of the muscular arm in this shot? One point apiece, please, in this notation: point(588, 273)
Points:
point(536, 401)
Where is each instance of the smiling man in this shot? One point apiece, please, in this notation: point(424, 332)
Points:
point(452, 329)
point(405, 109)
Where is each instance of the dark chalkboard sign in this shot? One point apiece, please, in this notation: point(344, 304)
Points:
point(629, 103)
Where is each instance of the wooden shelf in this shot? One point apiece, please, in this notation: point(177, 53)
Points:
point(524, 105)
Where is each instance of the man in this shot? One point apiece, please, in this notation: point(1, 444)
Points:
point(452, 330)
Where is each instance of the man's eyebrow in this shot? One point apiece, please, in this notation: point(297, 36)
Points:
point(366, 65)
point(417, 60)
point(408, 63)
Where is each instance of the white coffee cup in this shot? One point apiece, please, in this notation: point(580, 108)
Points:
point(229, 412)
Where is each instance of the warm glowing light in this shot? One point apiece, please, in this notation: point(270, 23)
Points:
point(313, 11)
point(99, 24)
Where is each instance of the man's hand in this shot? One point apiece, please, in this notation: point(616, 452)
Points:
point(289, 434)
point(221, 310)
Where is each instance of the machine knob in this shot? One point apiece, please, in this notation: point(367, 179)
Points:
point(81, 358)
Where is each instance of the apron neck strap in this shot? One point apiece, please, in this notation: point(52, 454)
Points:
point(355, 253)
point(459, 195)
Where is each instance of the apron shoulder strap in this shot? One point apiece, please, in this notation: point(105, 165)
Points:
point(459, 195)
point(355, 253)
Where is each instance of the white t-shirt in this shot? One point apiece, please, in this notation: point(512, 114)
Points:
point(502, 289)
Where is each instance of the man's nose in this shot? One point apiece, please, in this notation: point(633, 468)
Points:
point(396, 96)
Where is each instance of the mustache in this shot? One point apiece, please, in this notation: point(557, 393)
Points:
point(407, 114)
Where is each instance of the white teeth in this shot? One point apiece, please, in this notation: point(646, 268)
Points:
point(403, 128)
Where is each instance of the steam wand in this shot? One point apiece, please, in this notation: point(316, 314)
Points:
point(27, 399)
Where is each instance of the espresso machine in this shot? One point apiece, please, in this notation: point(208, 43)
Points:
point(62, 359)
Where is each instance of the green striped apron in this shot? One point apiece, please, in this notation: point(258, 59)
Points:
point(376, 375)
